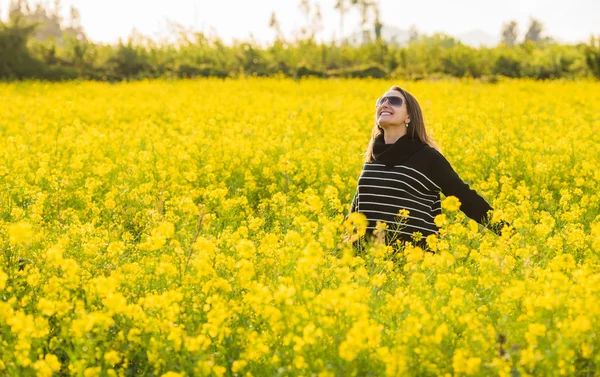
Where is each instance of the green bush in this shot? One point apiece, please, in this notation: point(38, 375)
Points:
point(362, 71)
point(304, 71)
point(60, 73)
point(192, 70)
point(592, 56)
point(508, 66)
point(16, 62)
point(429, 57)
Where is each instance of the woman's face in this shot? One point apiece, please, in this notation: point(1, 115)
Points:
point(388, 114)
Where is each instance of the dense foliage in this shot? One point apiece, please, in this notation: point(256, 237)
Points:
point(195, 54)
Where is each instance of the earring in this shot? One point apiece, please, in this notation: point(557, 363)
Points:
point(406, 125)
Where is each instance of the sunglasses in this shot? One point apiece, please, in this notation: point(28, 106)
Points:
point(393, 100)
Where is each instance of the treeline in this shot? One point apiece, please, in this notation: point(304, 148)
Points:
point(195, 54)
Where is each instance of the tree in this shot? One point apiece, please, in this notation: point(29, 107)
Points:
point(56, 13)
point(15, 11)
point(510, 33)
point(16, 61)
point(365, 6)
point(534, 31)
point(75, 29)
point(305, 8)
point(274, 24)
point(592, 55)
point(378, 24)
point(315, 24)
point(342, 7)
point(413, 33)
point(317, 21)
point(47, 24)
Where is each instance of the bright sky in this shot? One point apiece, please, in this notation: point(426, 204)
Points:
point(107, 20)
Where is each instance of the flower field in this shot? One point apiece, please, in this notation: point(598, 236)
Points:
point(195, 228)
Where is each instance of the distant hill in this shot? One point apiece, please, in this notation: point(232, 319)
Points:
point(399, 37)
point(391, 34)
point(477, 38)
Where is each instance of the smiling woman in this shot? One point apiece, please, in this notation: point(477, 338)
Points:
point(404, 174)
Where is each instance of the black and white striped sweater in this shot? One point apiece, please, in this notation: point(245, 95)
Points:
point(411, 175)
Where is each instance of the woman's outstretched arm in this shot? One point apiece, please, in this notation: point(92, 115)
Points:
point(471, 203)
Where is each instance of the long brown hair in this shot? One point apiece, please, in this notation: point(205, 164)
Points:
point(416, 126)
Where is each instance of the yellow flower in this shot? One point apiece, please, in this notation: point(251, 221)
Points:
point(432, 241)
point(451, 203)
point(414, 254)
point(440, 332)
point(381, 226)
point(403, 213)
point(236, 226)
point(440, 220)
point(356, 225)
point(92, 372)
point(245, 249)
point(325, 373)
point(54, 254)
point(172, 374)
point(110, 203)
point(219, 370)
point(380, 229)
point(158, 237)
point(3, 279)
point(534, 330)
point(47, 366)
point(112, 357)
point(581, 323)
point(116, 248)
point(462, 363)
point(238, 365)
point(586, 350)
point(299, 362)
point(42, 369)
point(378, 280)
point(473, 225)
point(314, 203)
point(417, 236)
point(473, 365)
point(20, 233)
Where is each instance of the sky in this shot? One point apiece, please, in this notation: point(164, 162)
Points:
point(107, 20)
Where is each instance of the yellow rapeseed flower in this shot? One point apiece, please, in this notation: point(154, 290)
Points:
point(172, 374)
point(403, 213)
point(356, 225)
point(463, 363)
point(451, 203)
point(440, 332)
point(3, 279)
point(178, 226)
point(238, 365)
point(20, 233)
point(112, 357)
point(440, 220)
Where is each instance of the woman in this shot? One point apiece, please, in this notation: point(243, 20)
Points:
point(404, 170)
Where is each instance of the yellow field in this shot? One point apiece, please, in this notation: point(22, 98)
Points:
point(195, 228)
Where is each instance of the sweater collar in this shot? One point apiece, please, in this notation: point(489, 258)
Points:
point(394, 154)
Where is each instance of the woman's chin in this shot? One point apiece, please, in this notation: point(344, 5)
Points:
point(384, 123)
